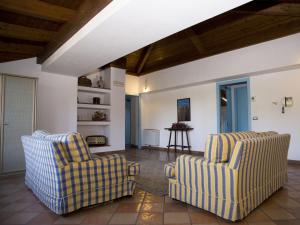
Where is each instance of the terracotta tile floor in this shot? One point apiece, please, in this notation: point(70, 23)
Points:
point(19, 206)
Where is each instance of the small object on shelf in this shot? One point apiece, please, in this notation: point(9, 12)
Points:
point(99, 116)
point(84, 81)
point(100, 82)
point(96, 140)
point(96, 100)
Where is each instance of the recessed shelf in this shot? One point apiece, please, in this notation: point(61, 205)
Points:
point(93, 123)
point(92, 106)
point(93, 90)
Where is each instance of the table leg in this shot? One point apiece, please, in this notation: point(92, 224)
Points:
point(188, 142)
point(175, 140)
point(170, 135)
point(182, 147)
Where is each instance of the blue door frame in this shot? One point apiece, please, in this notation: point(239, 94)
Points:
point(138, 118)
point(236, 81)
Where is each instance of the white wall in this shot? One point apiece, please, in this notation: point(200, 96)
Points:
point(118, 109)
point(273, 88)
point(274, 70)
point(131, 85)
point(56, 95)
point(159, 110)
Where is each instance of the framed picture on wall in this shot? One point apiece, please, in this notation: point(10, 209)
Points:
point(183, 109)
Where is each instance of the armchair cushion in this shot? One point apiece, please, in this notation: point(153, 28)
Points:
point(219, 147)
point(74, 146)
point(98, 173)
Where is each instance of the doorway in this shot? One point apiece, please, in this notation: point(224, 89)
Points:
point(233, 99)
point(131, 121)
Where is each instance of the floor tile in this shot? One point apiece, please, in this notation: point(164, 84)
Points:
point(279, 214)
point(73, 218)
point(257, 216)
point(123, 218)
point(176, 218)
point(203, 218)
point(175, 207)
point(20, 218)
point(150, 219)
point(152, 207)
point(129, 207)
point(153, 198)
point(97, 219)
point(46, 218)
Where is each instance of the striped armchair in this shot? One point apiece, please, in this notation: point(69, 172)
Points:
point(64, 185)
point(256, 168)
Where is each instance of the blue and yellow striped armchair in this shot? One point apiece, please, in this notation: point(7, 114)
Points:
point(256, 168)
point(64, 185)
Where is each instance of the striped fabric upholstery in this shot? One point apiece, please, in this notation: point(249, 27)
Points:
point(267, 133)
point(170, 170)
point(257, 168)
point(133, 168)
point(218, 147)
point(74, 144)
point(67, 186)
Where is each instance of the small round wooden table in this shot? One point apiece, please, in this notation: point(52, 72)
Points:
point(175, 145)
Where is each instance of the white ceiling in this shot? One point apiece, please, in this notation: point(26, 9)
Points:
point(127, 25)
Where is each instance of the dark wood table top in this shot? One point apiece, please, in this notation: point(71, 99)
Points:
point(180, 129)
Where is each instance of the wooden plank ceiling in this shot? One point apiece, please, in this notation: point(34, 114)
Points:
point(36, 28)
point(252, 23)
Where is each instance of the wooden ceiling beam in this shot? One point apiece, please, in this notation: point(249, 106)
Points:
point(27, 33)
point(87, 10)
point(284, 9)
point(9, 56)
point(20, 48)
point(192, 35)
point(38, 9)
point(144, 58)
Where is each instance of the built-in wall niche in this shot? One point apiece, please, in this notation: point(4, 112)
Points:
point(89, 115)
point(85, 97)
point(96, 130)
point(98, 75)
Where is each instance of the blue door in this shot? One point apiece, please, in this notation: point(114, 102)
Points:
point(233, 106)
point(241, 116)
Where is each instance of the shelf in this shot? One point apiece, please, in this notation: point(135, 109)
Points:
point(93, 90)
point(93, 123)
point(92, 106)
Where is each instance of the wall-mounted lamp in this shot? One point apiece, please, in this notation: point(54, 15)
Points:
point(286, 102)
point(146, 89)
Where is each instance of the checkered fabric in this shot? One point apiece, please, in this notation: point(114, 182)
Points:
point(40, 134)
point(74, 144)
point(169, 169)
point(67, 186)
point(257, 168)
point(218, 147)
point(133, 168)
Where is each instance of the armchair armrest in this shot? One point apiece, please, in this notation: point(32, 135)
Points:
point(170, 170)
point(133, 168)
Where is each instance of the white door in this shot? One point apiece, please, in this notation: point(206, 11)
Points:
point(18, 118)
